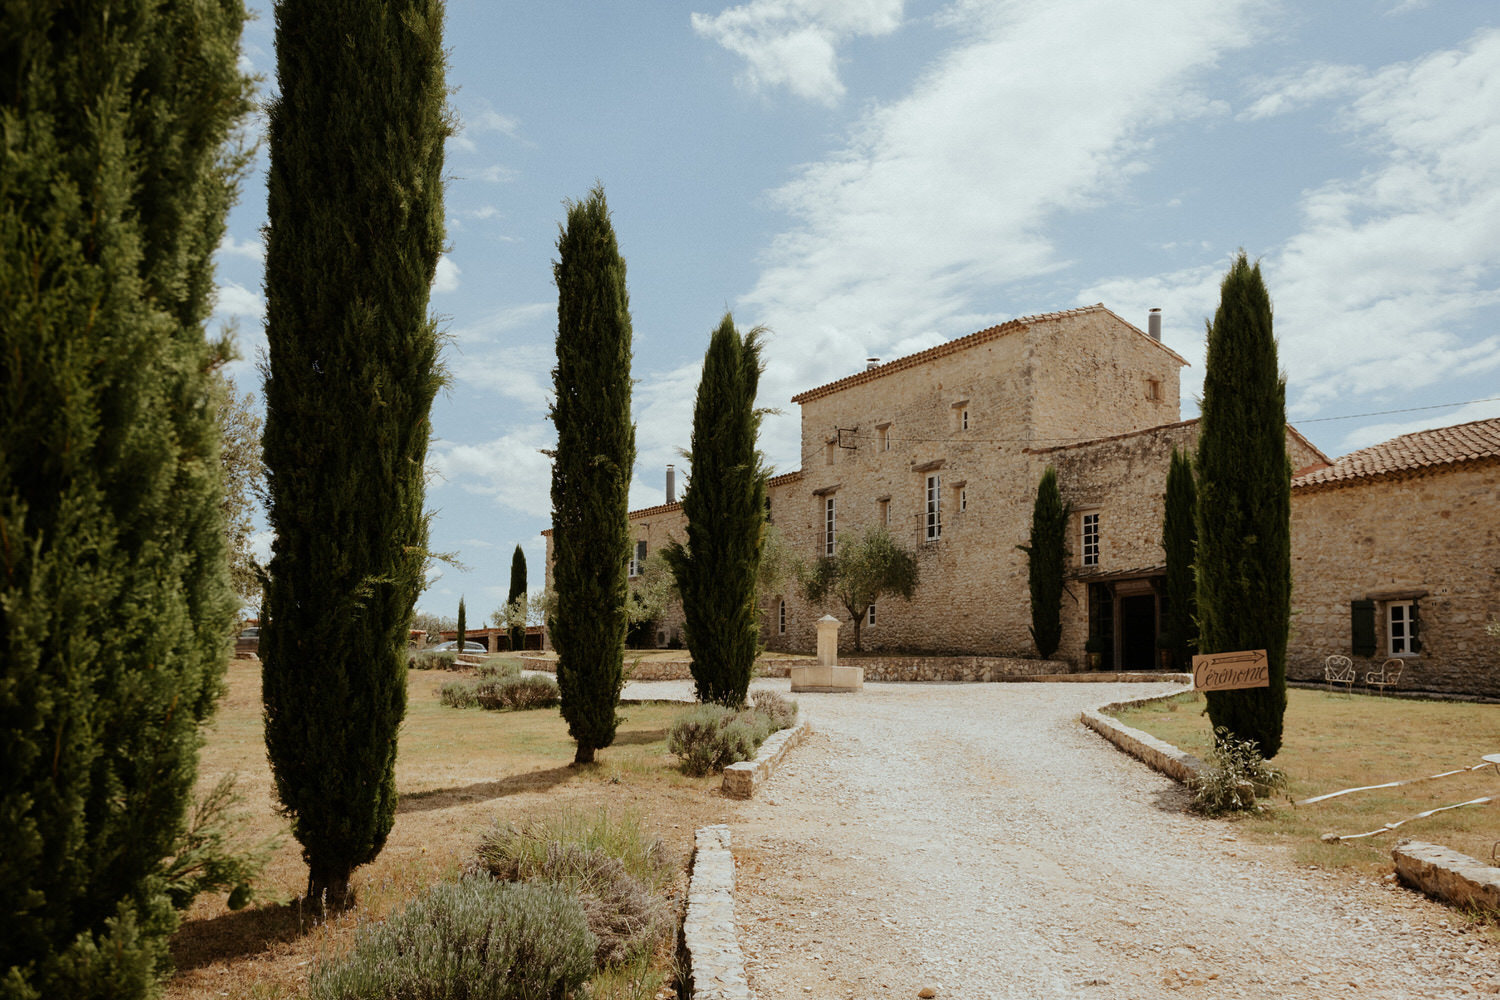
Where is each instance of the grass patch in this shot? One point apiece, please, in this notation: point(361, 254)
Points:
point(1334, 741)
point(459, 774)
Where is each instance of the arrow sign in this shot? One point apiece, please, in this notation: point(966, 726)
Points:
point(1247, 668)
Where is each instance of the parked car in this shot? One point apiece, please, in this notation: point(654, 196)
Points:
point(247, 644)
point(469, 647)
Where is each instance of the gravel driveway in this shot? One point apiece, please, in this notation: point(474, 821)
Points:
point(976, 840)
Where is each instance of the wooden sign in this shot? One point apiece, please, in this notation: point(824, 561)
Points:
point(1230, 671)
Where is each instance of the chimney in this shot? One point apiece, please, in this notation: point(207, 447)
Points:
point(871, 363)
point(671, 485)
point(1153, 324)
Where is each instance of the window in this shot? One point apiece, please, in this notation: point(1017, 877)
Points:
point(1153, 390)
point(870, 616)
point(883, 436)
point(963, 419)
point(963, 499)
point(885, 513)
point(1091, 539)
point(638, 557)
point(828, 449)
point(934, 515)
point(1401, 628)
point(781, 617)
point(830, 522)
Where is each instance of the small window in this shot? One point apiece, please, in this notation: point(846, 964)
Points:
point(963, 419)
point(963, 499)
point(828, 450)
point(885, 513)
point(781, 617)
point(638, 557)
point(870, 616)
point(934, 515)
point(883, 433)
point(1401, 628)
point(830, 523)
point(1091, 539)
point(1153, 390)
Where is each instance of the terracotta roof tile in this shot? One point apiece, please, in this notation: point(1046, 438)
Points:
point(962, 344)
point(1473, 442)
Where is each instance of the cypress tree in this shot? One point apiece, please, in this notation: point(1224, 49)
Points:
point(1179, 535)
point(1244, 562)
point(725, 506)
point(115, 603)
point(591, 474)
point(355, 227)
point(462, 625)
point(517, 591)
point(1046, 558)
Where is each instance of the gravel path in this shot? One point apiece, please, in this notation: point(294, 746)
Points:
point(976, 840)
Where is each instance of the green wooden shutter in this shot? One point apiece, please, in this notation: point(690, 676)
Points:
point(1362, 627)
point(1414, 629)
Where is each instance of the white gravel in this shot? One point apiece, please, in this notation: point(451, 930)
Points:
point(976, 840)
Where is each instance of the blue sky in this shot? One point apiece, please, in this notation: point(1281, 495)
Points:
point(872, 177)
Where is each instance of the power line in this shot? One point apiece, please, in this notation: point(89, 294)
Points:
point(1408, 409)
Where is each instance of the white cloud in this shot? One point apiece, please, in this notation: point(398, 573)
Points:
point(1290, 92)
point(794, 43)
point(939, 198)
point(498, 174)
point(250, 249)
point(445, 278)
point(510, 469)
point(234, 299)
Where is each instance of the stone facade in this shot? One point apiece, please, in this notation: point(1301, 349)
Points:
point(946, 447)
point(1429, 537)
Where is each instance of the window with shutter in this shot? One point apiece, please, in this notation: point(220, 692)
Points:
point(1362, 628)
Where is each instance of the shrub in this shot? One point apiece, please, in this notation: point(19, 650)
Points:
point(476, 939)
point(214, 853)
point(1233, 776)
point(611, 865)
point(458, 694)
point(432, 659)
point(517, 693)
point(781, 711)
point(497, 666)
point(709, 738)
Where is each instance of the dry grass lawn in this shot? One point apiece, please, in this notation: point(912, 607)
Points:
point(1334, 741)
point(459, 771)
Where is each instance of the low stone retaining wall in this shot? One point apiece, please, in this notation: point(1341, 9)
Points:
point(714, 961)
point(742, 779)
point(894, 668)
point(1448, 875)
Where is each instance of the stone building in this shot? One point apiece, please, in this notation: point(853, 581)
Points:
point(1396, 552)
point(946, 447)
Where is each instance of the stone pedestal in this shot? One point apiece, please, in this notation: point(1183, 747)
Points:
point(828, 675)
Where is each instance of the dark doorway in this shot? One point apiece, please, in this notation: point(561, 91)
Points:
point(1138, 632)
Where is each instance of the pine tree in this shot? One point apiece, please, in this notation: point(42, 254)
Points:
point(1179, 538)
point(591, 474)
point(1244, 564)
point(1046, 560)
point(355, 227)
point(516, 593)
point(725, 506)
point(463, 625)
point(115, 603)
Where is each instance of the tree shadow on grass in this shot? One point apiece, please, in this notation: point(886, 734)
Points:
point(639, 737)
point(233, 935)
point(481, 791)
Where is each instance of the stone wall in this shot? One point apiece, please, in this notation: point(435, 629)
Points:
point(1433, 536)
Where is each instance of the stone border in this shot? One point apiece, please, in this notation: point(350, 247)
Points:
point(742, 779)
point(1447, 875)
point(1159, 754)
point(711, 951)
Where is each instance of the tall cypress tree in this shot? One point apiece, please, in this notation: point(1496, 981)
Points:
point(517, 591)
point(115, 604)
point(725, 506)
point(1179, 536)
point(1244, 558)
point(355, 227)
point(1046, 560)
point(591, 474)
point(463, 625)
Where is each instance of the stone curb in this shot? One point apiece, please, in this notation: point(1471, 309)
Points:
point(1159, 754)
point(715, 964)
point(1448, 875)
point(742, 779)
